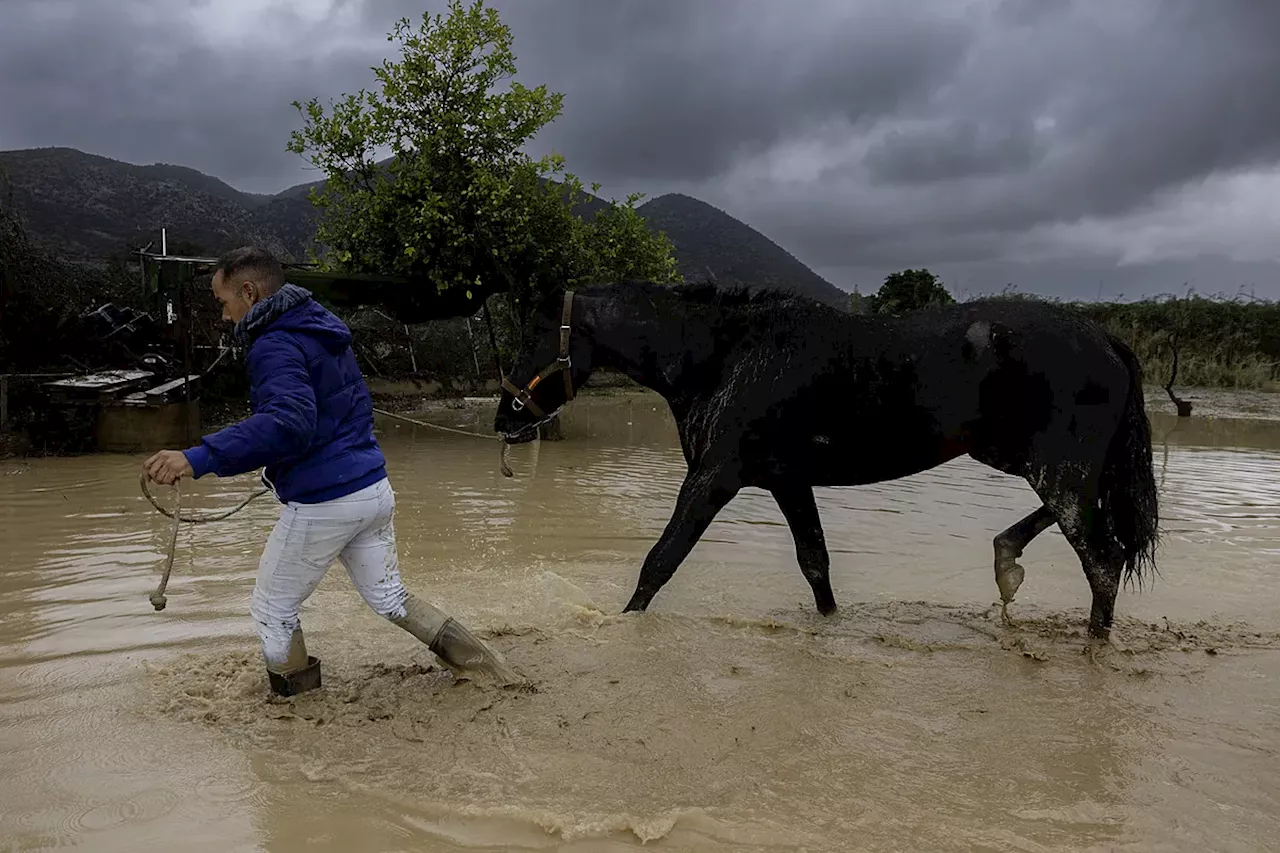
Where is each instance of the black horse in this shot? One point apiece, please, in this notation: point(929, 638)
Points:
point(778, 392)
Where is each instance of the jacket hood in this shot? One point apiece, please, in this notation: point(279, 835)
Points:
point(292, 309)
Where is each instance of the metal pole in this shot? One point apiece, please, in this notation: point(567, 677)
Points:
point(413, 359)
point(188, 321)
point(475, 357)
point(173, 276)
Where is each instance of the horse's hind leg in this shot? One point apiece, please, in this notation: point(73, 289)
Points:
point(1102, 565)
point(706, 491)
point(1074, 504)
point(801, 512)
point(1009, 545)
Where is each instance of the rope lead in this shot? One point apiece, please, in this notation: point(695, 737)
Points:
point(158, 599)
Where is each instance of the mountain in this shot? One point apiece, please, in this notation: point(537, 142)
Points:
point(707, 239)
point(84, 206)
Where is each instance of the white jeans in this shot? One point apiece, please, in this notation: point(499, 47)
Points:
point(358, 530)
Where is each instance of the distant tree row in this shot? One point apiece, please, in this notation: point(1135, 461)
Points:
point(1214, 342)
point(908, 290)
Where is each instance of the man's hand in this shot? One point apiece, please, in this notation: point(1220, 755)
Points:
point(167, 467)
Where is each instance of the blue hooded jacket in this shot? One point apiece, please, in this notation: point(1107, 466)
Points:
point(312, 421)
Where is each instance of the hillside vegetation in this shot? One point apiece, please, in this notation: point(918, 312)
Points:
point(1223, 343)
point(85, 207)
point(77, 206)
point(709, 241)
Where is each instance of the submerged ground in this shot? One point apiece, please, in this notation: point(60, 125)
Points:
point(729, 717)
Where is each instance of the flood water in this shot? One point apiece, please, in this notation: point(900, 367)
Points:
point(729, 717)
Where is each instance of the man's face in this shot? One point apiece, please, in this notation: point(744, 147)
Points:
point(236, 297)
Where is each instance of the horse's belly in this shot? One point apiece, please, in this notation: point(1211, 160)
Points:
point(857, 468)
point(824, 457)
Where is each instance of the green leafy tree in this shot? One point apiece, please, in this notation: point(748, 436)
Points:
point(454, 199)
point(910, 290)
point(620, 243)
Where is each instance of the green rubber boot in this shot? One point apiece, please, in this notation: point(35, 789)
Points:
point(299, 673)
point(450, 641)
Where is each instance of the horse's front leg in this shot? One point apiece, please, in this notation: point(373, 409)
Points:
point(801, 512)
point(706, 491)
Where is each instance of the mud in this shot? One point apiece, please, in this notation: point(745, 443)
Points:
point(729, 717)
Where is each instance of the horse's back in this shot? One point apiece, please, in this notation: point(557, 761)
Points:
point(859, 399)
point(992, 378)
point(1027, 336)
point(1051, 379)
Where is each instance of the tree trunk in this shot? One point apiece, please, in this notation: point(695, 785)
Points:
point(1183, 406)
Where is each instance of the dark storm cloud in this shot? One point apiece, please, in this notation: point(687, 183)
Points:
point(672, 90)
point(139, 82)
point(960, 149)
point(1135, 101)
point(862, 136)
point(1029, 12)
point(684, 102)
point(1189, 98)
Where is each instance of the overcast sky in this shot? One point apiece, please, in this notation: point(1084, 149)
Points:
point(1088, 148)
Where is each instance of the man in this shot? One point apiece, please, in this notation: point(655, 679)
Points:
point(312, 430)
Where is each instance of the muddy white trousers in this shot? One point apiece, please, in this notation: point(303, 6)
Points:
point(358, 530)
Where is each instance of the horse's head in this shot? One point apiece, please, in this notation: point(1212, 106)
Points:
point(554, 361)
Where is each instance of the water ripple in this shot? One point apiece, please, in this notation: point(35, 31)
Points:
point(82, 549)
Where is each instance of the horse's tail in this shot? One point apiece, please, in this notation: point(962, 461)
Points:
point(1128, 484)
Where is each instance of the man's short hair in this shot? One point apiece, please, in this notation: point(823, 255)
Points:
point(254, 263)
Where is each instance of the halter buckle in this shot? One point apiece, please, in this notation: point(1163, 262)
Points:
point(523, 398)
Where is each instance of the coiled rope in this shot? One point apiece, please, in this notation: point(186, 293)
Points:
point(158, 599)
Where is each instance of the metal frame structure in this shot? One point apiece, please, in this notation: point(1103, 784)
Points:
point(164, 277)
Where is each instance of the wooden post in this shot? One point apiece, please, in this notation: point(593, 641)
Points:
point(493, 339)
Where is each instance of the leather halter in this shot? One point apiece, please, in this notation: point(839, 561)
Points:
point(523, 398)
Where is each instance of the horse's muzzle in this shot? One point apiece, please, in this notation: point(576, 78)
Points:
point(515, 430)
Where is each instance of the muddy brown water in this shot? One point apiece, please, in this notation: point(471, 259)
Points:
point(729, 717)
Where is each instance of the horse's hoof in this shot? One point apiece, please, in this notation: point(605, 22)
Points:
point(1009, 577)
point(1098, 645)
point(1004, 615)
point(639, 602)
